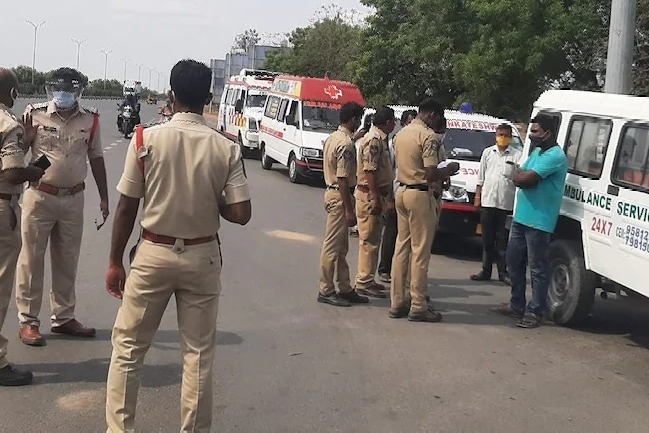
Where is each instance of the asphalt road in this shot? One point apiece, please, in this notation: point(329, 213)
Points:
point(288, 364)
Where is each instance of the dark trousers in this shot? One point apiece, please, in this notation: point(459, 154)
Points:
point(528, 246)
point(494, 240)
point(388, 243)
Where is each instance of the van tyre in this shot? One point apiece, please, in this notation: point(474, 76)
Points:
point(266, 161)
point(572, 287)
point(294, 175)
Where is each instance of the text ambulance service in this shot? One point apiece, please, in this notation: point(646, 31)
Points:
point(299, 115)
point(242, 106)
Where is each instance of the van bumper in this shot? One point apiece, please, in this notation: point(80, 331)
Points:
point(311, 167)
point(251, 139)
point(461, 219)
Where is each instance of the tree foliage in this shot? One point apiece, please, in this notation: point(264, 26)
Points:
point(329, 46)
point(245, 40)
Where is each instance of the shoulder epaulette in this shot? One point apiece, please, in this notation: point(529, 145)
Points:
point(91, 110)
point(39, 106)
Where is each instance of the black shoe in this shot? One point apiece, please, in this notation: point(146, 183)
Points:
point(399, 313)
point(354, 298)
point(429, 316)
point(10, 376)
point(372, 292)
point(333, 299)
point(505, 280)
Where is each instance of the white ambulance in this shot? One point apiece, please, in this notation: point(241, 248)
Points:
point(299, 115)
point(242, 106)
point(467, 136)
point(602, 236)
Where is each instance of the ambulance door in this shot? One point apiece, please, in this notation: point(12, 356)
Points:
point(273, 133)
point(585, 144)
point(630, 186)
point(284, 143)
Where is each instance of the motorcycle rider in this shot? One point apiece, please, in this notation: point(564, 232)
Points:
point(129, 100)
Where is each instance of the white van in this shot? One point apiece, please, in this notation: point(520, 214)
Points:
point(299, 115)
point(242, 106)
point(602, 236)
point(467, 136)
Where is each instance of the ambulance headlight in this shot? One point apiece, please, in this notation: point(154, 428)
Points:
point(310, 153)
point(456, 194)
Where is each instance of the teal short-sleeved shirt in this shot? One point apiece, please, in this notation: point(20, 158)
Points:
point(538, 207)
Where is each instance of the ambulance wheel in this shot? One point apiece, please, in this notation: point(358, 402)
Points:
point(294, 175)
point(266, 161)
point(245, 152)
point(572, 288)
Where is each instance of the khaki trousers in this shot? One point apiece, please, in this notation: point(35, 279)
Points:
point(416, 221)
point(369, 240)
point(333, 260)
point(191, 274)
point(58, 220)
point(9, 248)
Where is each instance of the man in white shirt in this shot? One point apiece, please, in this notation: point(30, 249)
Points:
point(495, 197)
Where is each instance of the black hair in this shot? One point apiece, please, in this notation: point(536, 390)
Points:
point(383, 116)
point(505, 127)
point(68, 74)
point(406, 114)
point(190, 81)
point(350, 111)
point(547, 123)
point(431, 106)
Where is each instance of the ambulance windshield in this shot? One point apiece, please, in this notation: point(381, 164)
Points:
point(256, 101)
point(468, 144)
point(320, 118)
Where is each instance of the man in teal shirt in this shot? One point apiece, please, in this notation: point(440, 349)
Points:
point(541, 181)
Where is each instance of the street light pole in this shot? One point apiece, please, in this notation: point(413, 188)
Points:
point(106, 53)
point(79, 43)
point(125, 60)
point(139, 73)
point(157, 89)
point(36, 27)
point(150, 71)
point(619, 62)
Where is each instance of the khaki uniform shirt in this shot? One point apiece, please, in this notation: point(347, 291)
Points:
point(188, 169)
point(65, 143)
point(340, 158)
point(416, 148)
point(12, 148)
point(374, 156)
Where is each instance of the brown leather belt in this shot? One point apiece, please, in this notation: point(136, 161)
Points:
point(168, 240)
point(55, 190)
point(9, 197)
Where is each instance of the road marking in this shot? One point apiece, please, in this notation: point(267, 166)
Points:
point(293, 236)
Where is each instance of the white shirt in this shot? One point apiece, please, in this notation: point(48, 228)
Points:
point(497, 191)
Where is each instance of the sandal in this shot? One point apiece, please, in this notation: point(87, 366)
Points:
point(506, 310)
point(480, 277)
point(529, 321)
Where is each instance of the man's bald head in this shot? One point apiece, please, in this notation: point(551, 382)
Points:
point(8, 83)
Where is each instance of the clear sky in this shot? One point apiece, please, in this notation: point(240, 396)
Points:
point(153, 33)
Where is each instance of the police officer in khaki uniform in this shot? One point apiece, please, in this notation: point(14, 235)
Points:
point(373, 197)
point(340, 176)
point(187, 175)
point(416, 158)
point(14, 144)
point(68, 135)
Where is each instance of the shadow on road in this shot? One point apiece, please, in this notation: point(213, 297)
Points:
point(223, 338)
point(458, 247)
point(96, 371)
point(626, 317)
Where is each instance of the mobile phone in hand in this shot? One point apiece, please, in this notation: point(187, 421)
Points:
point(43, 163)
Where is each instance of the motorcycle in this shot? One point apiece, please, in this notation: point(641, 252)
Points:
point(127, 121)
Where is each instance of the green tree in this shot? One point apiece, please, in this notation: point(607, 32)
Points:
point(329, 46)
point(245, 40)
